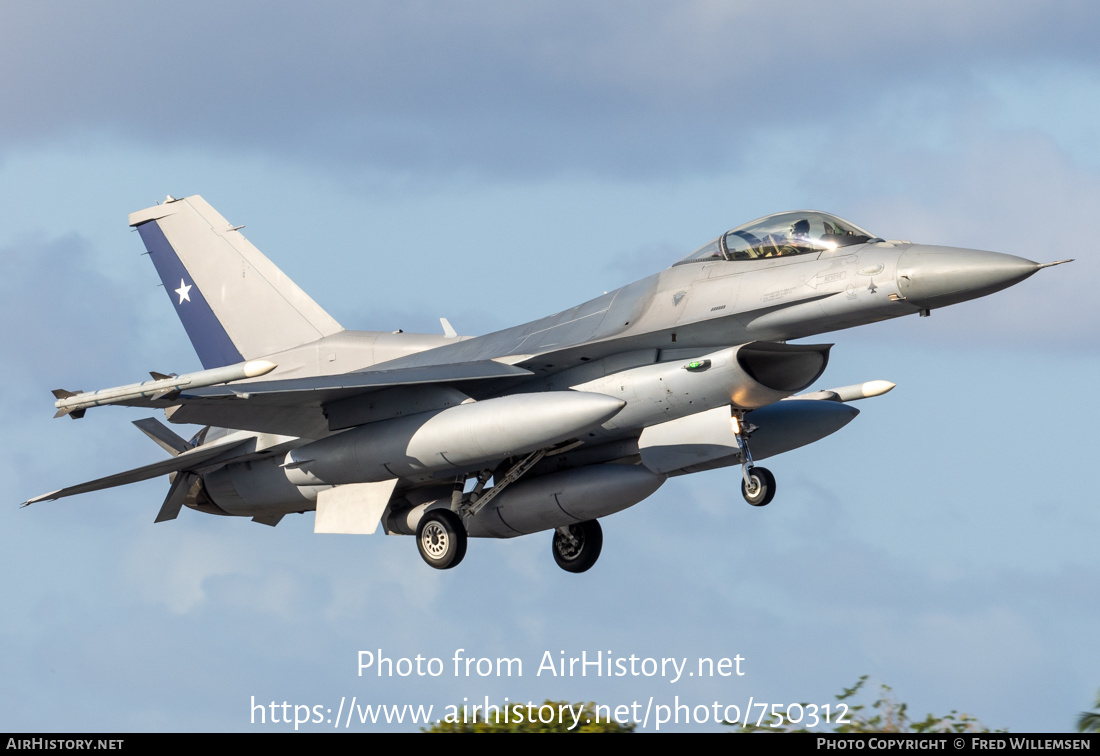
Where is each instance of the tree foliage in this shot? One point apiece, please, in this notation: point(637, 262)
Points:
point(884, 714)
point(588, 721)
point(1089, 721)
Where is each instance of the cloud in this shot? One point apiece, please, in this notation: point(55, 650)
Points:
point(497, 88)
point(404, 161)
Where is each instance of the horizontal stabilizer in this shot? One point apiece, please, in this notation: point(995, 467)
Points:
point(186, 461)
point(164, 438)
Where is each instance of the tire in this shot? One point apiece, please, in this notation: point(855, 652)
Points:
point(765, 487)
point(441, 539)
point(581, 557)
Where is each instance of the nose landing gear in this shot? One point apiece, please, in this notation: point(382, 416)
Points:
point(758, 487)
point(757, 483)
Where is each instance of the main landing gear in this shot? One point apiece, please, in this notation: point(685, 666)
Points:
point(577, 547)
point(441, 535)
point(441, 539)
point(757, 483)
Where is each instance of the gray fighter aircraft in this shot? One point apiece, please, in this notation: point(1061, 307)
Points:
point(544, 426)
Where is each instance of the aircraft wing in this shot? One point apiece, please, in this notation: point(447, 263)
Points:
point(314, 406)
point(328, 387)
point(188, 460)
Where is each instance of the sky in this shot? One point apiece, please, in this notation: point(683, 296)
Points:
point(494, 162)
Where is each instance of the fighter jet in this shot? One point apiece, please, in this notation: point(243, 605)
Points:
point(546, 426)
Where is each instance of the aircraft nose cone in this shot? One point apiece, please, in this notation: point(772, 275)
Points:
point(931, 277)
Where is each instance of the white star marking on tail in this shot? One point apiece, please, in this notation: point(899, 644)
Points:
point(184, 291)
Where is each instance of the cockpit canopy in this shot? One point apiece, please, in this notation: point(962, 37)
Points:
point(795, 233)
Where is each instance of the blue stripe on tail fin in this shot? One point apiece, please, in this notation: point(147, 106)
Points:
point(211, 342)
point(234, 303)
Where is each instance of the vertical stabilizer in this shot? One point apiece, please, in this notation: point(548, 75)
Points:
point(234, 303)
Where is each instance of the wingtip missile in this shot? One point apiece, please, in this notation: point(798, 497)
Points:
point(256, 368)
point(76, 403)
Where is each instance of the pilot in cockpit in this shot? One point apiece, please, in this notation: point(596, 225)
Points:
point(791, 243)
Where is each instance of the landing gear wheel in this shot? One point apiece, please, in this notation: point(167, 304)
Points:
point(762, 488)
point(579, 550)
point(441, 539)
